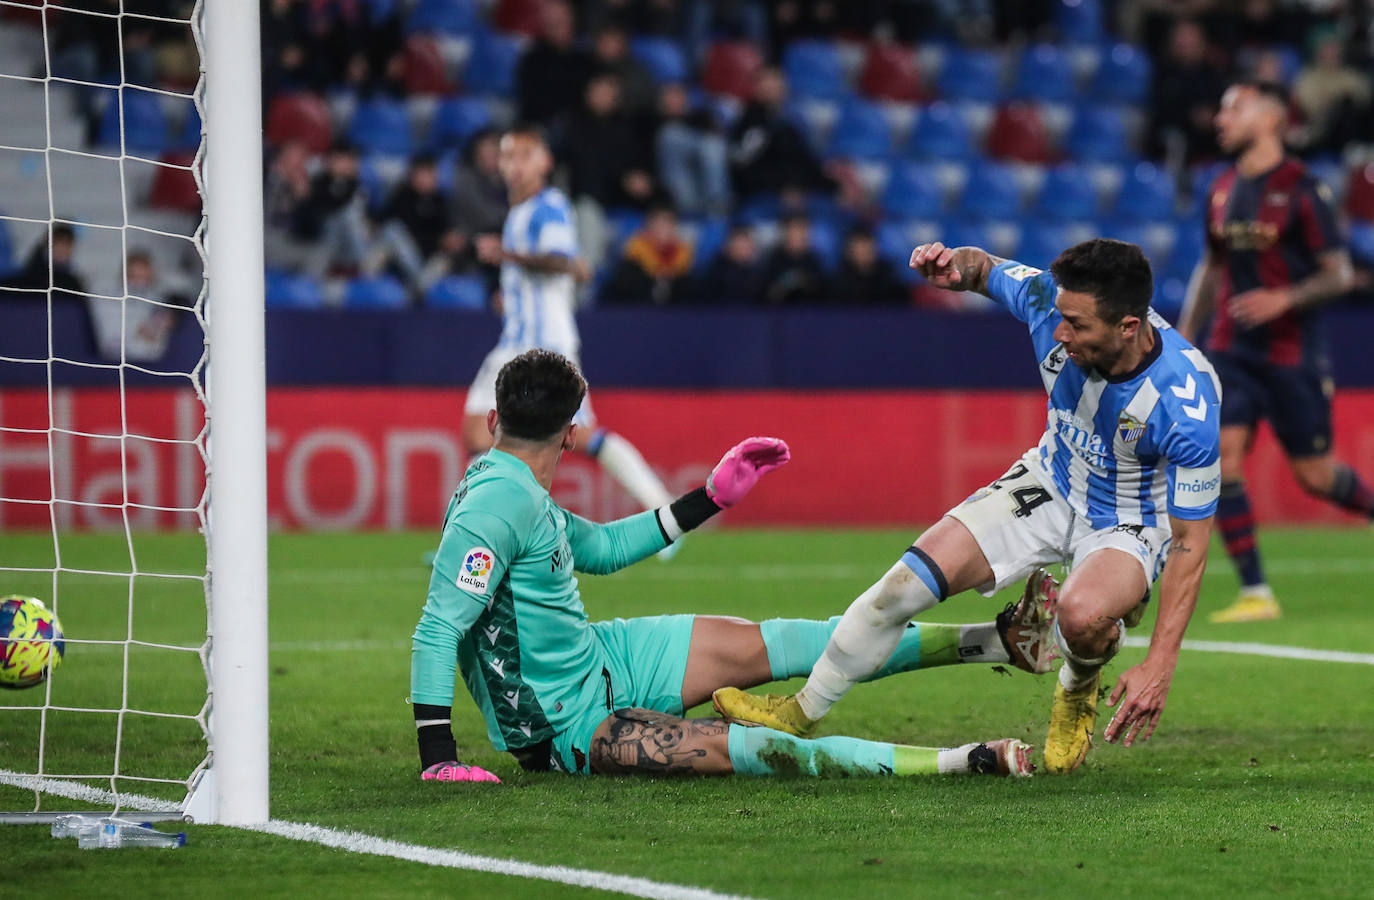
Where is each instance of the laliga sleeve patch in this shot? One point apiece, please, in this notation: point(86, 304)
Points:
point(1020, 272)
point(1197, 488)
point(475, 573)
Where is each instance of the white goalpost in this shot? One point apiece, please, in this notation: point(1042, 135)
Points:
point(161, 700)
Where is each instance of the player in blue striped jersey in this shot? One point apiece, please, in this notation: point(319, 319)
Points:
point(1122, 487)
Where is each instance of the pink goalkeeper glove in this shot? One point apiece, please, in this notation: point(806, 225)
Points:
point(456, 771)
point(740, 469)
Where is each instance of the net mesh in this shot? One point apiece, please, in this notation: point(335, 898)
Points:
point(103, 412)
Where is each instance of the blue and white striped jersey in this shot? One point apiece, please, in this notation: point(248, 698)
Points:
point(1122, 450)
point(538, 306)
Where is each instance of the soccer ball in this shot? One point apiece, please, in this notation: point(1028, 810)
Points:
point(31, 642)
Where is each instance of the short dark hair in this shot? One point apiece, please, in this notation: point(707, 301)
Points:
point(1272, 89)
point(527, 129)
point(537, 394)
point(1116, 274)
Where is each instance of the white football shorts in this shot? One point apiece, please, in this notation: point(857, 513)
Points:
point(482, 393)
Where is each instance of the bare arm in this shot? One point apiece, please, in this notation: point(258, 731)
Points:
point(1143, 689)
point(955, 268)
point(1334, 276)
point(1201, 299)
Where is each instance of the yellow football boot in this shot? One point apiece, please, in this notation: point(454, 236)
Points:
point(1255, 604)
point(780, 712)
point(1072, 721)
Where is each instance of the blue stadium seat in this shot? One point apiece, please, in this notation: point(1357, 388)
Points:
point(1045, 73)
point(145, 123)
point(1042, 242)
point(895, 243)
point(941, 132)
point(962, 232)
point(1079, 21)
point(662, 56)
point(863, 131)
point(972, 75)
point(8, 264)
point(377, 292)
point(814, 118)
point(1148, 192)
point(1189, 244)
point(456, 120)
point(814, 69)
point(381, 126)
point(458, 292)
point(1170, 292)
point(991, 192)
point(1362, 242)
point(1067, 195)
point(285, 291)
point(827, 241)
point(913, 192)
point(1097, 135)
point(491, 67)
point(1204, 176)
point(1123, 76)
point(189, 136)
point(456, 17)
point(707, 237)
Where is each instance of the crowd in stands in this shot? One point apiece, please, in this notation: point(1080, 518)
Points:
point(778, 153)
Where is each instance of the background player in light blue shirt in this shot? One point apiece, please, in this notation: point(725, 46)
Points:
point(1128, 463)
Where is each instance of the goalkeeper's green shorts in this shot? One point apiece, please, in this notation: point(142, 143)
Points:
point(644, 661)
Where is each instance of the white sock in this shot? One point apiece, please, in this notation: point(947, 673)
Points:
point(985, 638)
point(865, 638)
point(622, 462)
point(1074, 675)
point(953, 761)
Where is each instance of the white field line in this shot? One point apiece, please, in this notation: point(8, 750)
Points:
point(357, 842)
point(1275, 651)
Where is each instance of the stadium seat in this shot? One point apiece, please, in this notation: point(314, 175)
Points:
point(1097, 135)
point(913, 192)
point(961, 232)
point(300, 117)
point(1170, 292)
point(1044, 73)
point(459, 292)
point(707, 237)
point(1041, 243)
point(1018, 132)
point(1079, 21)
point(991, 192)
point(423, 70)
point(1359, 193)
point(491, 67)
point(1123, 76)
point(1362, 242)
point(1189, 243)
point(381, 126)
point(862, 131)
point(814, 69)
point(519, 16)
point(827, 241)
point(814, 118)
point(1067, 195)
point(662, 56)
point(730, 68)
point(144, 125)
point(188, 136)
point(890, 73)
point(972, 75)
point(376, 292)
point(286, 291)
point(7, 261)
point(456, 120)
point(175, 189)
point(455, 17)
point(1147, 192)
point(896, 240)
point(941, 132)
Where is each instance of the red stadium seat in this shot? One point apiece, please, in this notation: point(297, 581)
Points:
point(423, 68)
point(890, 73)
point(731, 67)
point(175, 188)
point(1019, 133)
point(300, 117)
point(519, 16)
point(1359, 198)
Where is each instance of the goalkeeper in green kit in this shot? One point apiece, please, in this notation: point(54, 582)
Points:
point(561, 693)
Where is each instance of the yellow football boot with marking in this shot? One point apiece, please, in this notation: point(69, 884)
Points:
point(1072, 721)
point(780, 712)
point(1255, 604)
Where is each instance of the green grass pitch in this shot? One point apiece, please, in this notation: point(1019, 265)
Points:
point(1260, 779)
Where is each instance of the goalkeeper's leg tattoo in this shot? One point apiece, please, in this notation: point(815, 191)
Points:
point(647, 742)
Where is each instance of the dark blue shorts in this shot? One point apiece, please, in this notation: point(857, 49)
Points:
point(1295, 399)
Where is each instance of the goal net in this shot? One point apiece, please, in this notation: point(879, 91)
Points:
point(112, 346)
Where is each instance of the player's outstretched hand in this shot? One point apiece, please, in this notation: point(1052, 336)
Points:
point(946, 267)
point(1142, 690)
point(453, 770)
point(740, 469)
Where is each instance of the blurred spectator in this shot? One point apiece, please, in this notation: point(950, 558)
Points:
point(1187, 88)
point(1332, 96)
point(332, 218)
point(550, 76)
point(138, 327)
point(479, 203)
point(284, 195)
point(654, 264)
point(692, 155)
point(864, 278)
point(654, 17)
point(767, 152)
point(735, 276)
point(611, 53)
point(794, 274)
point(417, 237)
point(35, 275)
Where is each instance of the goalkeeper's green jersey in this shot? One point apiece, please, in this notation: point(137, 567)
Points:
point(503, 605)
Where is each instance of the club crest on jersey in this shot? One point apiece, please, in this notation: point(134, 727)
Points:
point(475, 573)
point(1129, 428)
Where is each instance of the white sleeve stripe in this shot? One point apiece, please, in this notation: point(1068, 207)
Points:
point(421, 723)
point(668, 522)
